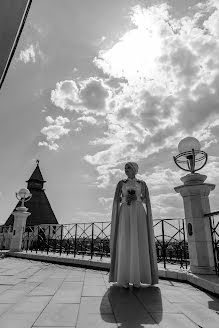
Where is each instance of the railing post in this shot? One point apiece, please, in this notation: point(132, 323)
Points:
point(48, 240)
point(75, 244)
point(164, 246)
point(92, 241)
point(60, 250)
point(38, 238)
point(213, 245)
point(184, 243)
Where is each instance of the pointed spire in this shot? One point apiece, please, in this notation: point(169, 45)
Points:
point(38, 205)
point(36, 180)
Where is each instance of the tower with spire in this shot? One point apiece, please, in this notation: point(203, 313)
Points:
point(39, 206)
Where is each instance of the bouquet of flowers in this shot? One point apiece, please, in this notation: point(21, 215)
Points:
point(130, 192)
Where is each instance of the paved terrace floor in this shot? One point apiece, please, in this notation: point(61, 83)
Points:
point(37, 294)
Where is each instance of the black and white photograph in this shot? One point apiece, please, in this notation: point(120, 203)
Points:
point(109, 143)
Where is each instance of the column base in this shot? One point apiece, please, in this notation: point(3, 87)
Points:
point(15, 250)
point(202, 269)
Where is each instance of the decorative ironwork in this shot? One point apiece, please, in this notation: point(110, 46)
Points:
point(191, 161)
point(171, 243)
point(214, 226)
point(93, 240)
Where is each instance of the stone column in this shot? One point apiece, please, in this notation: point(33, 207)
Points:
point(196, 203)
point(20, 218)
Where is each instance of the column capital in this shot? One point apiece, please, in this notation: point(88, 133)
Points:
point(194, 185)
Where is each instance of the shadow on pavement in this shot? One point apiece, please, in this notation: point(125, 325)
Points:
point(131, 307)
point(214, 304)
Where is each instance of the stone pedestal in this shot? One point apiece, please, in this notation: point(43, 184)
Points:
point(20, 218)
point(196, 203)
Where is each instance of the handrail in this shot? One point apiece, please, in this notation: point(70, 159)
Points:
point(212, 213)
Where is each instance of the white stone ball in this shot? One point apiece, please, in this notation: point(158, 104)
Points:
point(23, 193)
point(189, 143)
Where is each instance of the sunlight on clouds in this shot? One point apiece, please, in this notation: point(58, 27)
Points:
point(65, 95)
point(54, 131)
point(136, 52)
point(87, 96)
point(145, 116)
point(159, 84)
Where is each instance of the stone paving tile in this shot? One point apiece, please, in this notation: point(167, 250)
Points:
point(95, 304)
point(77, 275)
point(60, 274)
point(201, 315)
point(41, 275)
point(4, 287)
point(173, 320)
point(30, 304)
point(48, 287)
point(11, 296)
point(176, 296)
point(94, 290)
point(69, 292)
point(23, 314)
point(52, 295)
point(95, 320)
point(4, 308)
point(27, 273)
point(18, 320)
point(9, 280)
point(89, 280)
point(208, 301)
point(58, 315)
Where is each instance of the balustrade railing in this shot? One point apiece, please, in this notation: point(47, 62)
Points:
point(93, 240)
point(214, 226)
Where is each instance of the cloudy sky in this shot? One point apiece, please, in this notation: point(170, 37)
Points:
point(94, 84)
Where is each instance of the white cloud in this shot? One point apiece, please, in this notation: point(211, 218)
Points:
point(94, 93)
point(172, 68)
point(54, 131)
point(50, 145)
point(87, 119)
point(161, 84)
point(87, 96)
point(31, 53)
point(28, 55)
point(65, 95)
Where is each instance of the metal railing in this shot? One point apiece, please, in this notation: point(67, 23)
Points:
point(93, 240)
point(214, 226)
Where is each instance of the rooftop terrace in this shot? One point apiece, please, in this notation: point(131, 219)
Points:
point(37, 294)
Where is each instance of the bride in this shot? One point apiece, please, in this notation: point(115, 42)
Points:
point(132, 246)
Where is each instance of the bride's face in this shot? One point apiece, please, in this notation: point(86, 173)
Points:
point(129, 171)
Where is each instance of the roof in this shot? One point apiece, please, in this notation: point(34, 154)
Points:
point(13, 15)
point(39, 205)
point(36, 175)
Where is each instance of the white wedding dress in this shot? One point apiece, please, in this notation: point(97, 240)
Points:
point(133, 258)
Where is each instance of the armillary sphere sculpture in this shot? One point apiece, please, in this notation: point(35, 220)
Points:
point(23, 195)
point(190, 158)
